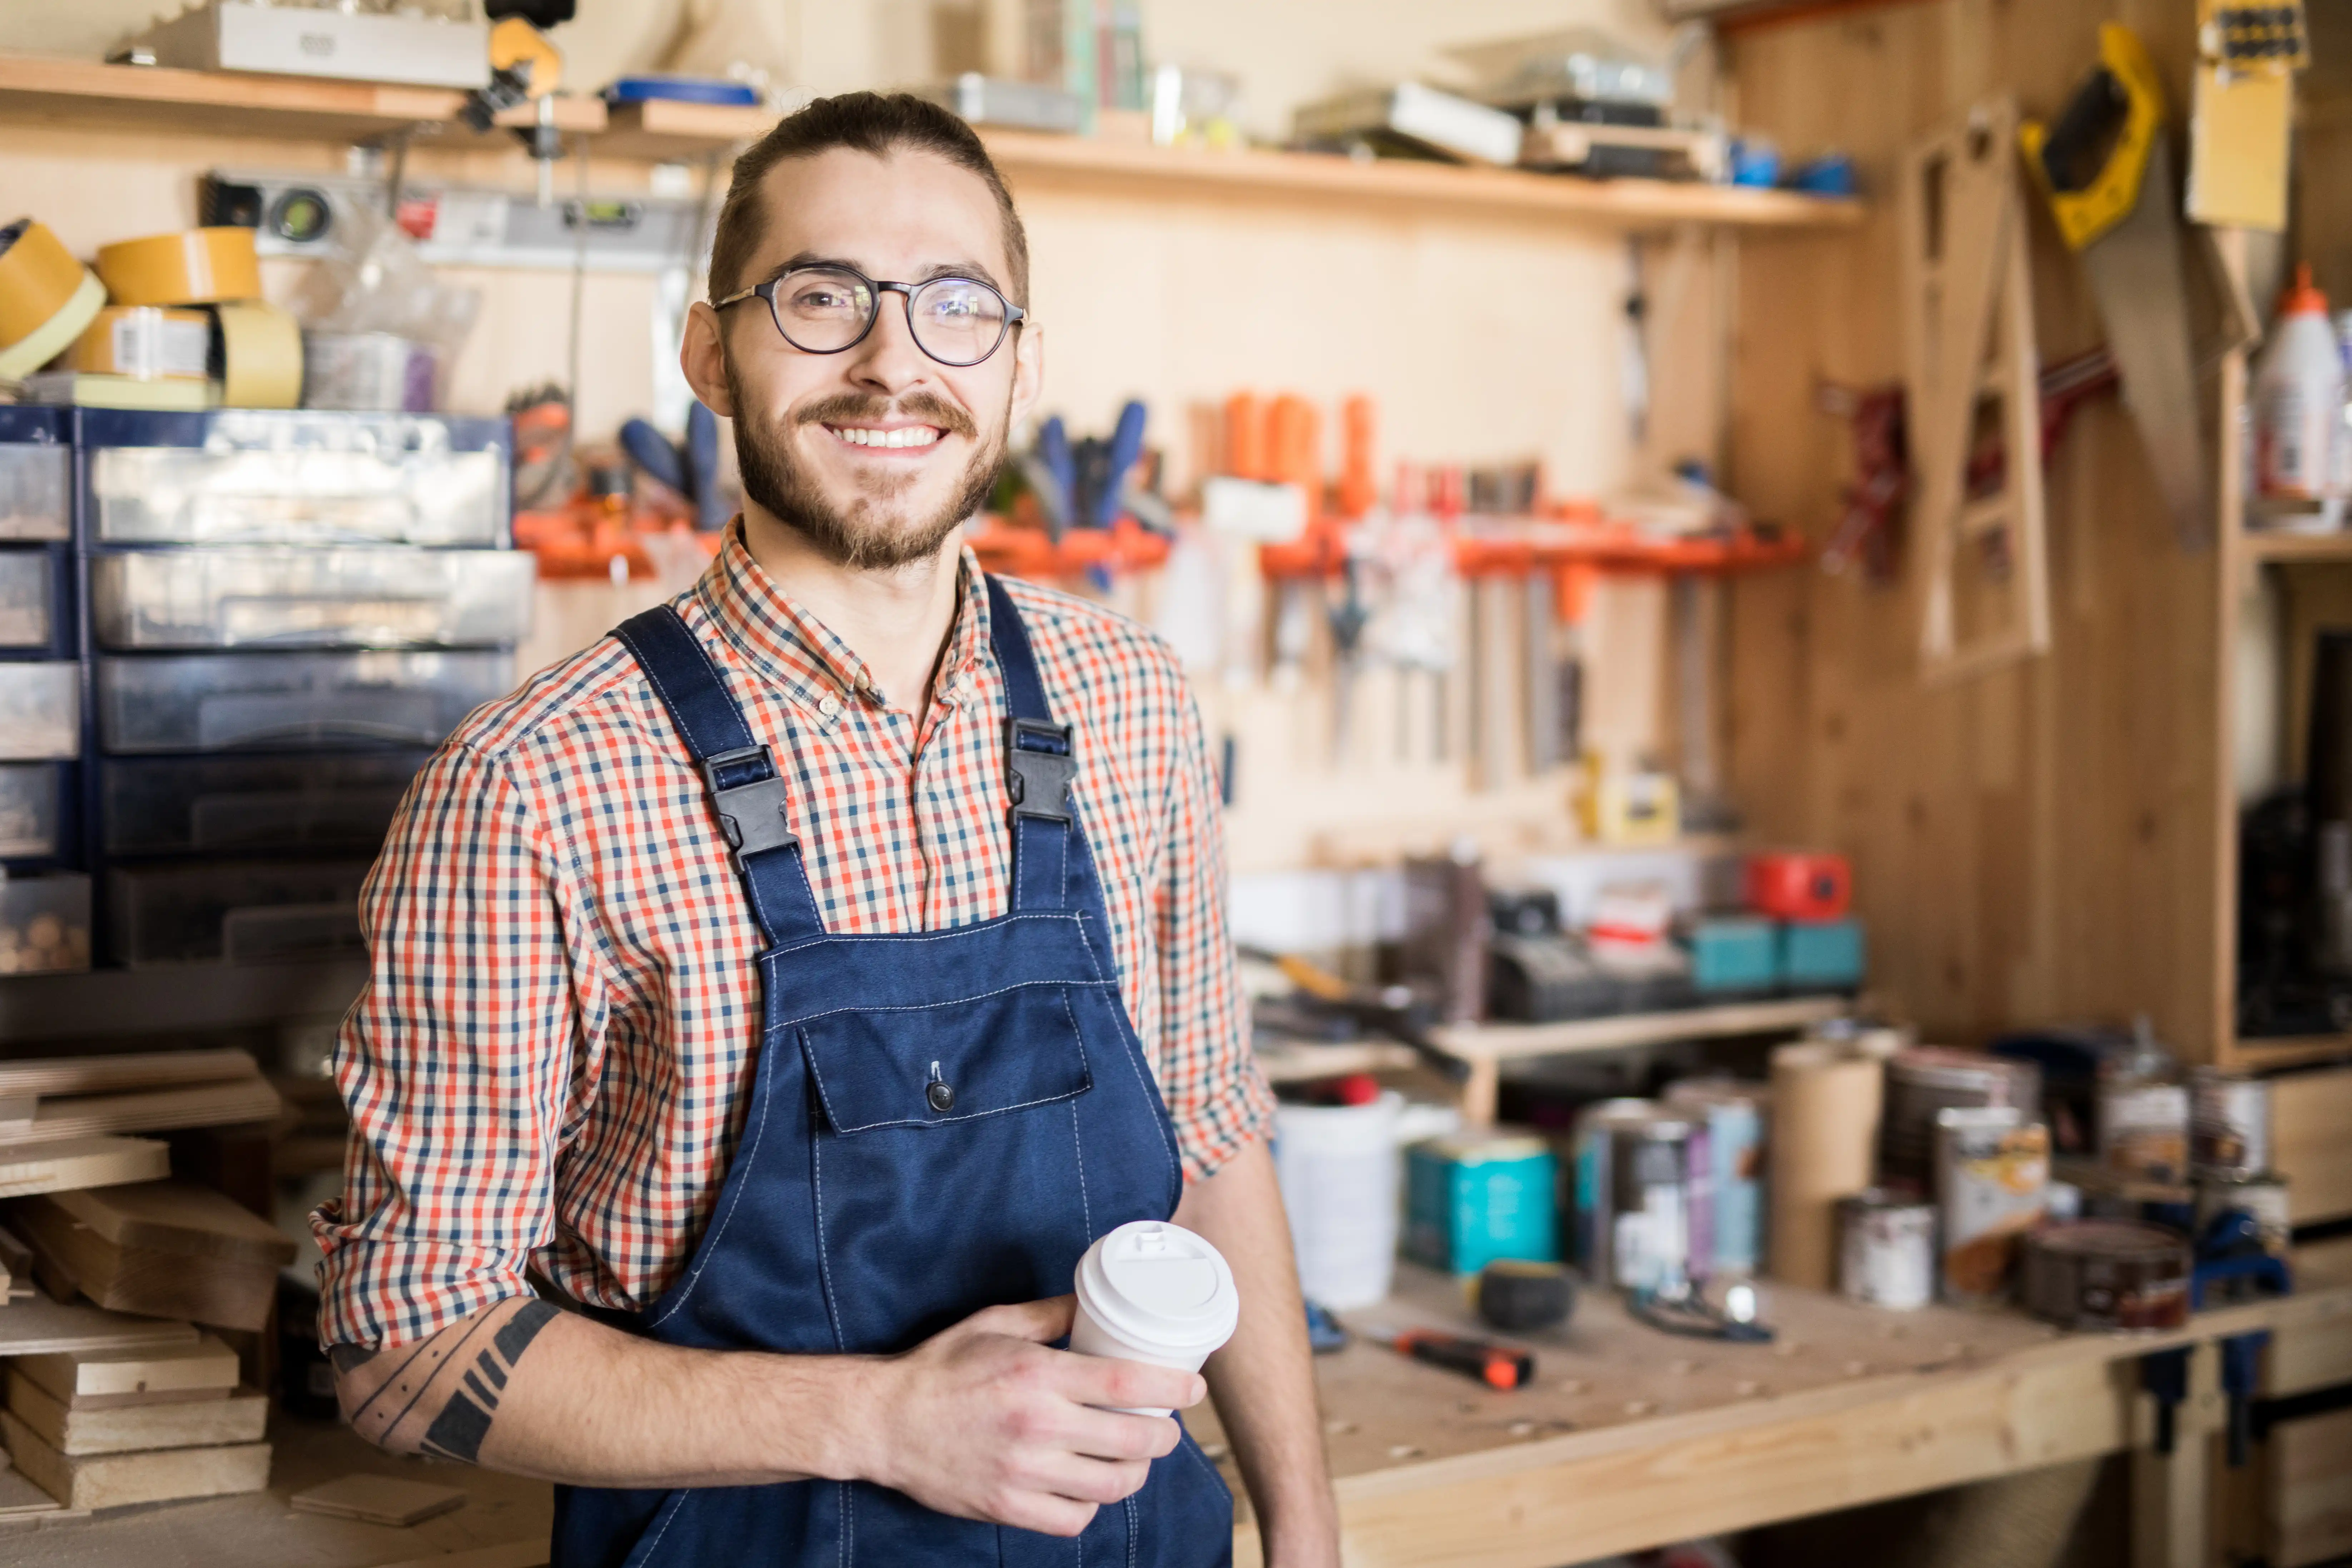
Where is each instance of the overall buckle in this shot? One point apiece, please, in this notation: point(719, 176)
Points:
point(751, 813)
point(1039, 763)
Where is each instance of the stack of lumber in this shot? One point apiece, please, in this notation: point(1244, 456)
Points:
point(53, 1099)
point(109, 1427)
point(167, 1248)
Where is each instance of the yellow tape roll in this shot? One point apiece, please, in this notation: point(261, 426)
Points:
point(148, 341)
point(46, 298)
point(195, 267)
point(260, 357)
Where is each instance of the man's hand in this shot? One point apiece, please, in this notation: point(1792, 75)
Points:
point(981, 1420)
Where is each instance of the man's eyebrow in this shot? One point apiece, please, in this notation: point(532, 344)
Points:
point(972, 270)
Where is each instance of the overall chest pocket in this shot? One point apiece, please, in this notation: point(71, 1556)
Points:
point(947, 1160)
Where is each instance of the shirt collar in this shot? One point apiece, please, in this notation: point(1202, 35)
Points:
point(799, 656)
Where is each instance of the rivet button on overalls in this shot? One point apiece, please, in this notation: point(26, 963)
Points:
point(940, 1122)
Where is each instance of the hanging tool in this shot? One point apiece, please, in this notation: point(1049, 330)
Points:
point(1497, 1366)
point(525, 68)
point(2106, 168)
point(2233, 1262)
point(1396, 1011)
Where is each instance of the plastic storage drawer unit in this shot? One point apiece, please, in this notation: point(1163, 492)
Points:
point(295, 476)
point(36, 474)
point(29, 797)
point(311, 598)
point(27, 598)
point(40, 711)
point(240, 912)
point(339, 802)
point(212, 702)
point(44, 924)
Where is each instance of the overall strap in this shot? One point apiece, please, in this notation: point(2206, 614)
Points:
point(1040, 761)
point(747, 791)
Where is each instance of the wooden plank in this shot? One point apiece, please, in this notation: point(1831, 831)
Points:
point(232, 1293)
point(241, 1415)
point(1505, 1042)
point(67, 1163)
point(42, 1326)
point(1298, 1062)
point(20, 1499)
point(106, 1074)
point(378, 1500)
point(2312, 1503)
point(2310, 1113)
point(117, 1480)
point(200, 1367)
point(156, 1110)
point(178, 1216)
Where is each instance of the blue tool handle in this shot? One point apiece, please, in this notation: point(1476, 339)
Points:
point(1126, 447)
point(710, 511)
point(650, 450)
point(1054, 450)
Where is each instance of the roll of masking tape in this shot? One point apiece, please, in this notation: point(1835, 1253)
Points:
point(258, 356)
point(195, 267)
point(46, 298)
point(151, 343)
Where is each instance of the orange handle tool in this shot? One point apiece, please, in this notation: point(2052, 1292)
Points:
point(1492, 1364)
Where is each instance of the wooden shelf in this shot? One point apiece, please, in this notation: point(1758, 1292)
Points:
point(2290, 1050)
point(1298, 1061)
point(2283, 546)
point(1510, 1042)
point(172, 998)
point(81, 94)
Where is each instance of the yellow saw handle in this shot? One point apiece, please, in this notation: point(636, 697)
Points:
point(2119, 107)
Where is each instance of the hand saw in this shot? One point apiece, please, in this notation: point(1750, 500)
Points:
point(2107, 169)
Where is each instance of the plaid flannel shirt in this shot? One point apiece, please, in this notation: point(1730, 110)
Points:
point(562, 1010)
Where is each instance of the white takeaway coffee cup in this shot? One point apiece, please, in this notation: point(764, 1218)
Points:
point(1151, 1291)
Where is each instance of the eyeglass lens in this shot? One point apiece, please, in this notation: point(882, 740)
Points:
point(955, 320)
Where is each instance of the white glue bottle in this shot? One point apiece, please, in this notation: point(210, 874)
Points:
point(2298, 398)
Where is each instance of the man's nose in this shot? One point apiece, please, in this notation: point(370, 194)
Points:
point(889, 360)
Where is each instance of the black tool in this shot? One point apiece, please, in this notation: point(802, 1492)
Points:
point(1519, 1297)
point(1497, 1366)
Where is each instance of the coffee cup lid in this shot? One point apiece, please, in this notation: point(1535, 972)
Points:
point(1159, 1285)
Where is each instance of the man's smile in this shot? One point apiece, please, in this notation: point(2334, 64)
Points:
point(911, 438)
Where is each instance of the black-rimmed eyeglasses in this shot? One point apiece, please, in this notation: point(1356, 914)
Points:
point(958, 321)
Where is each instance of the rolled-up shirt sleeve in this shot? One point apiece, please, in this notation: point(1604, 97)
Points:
point(456, 1062)
point(1216, 1095)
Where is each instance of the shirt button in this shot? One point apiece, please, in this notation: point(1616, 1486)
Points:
point(829, 705)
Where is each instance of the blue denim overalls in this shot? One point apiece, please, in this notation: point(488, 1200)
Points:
point(940, 1122)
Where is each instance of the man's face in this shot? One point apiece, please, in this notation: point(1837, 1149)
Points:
point(811, 429)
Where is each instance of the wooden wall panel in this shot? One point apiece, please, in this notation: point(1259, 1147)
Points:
point(2041, 841)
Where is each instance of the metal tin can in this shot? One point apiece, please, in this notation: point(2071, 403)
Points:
point(1886, 1250)
point(1597, 1129)
point(1992, 1181)
point(1733, 1115)
point(2106, 1274)
point(1923, 1081)
point(2229, 1124)
point(2264, 1197)
point(1634, 1208)
point(2143, 1128)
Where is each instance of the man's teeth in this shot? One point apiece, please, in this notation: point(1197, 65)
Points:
point(904, 435)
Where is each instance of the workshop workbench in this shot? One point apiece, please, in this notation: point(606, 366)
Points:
point(1629, 1438)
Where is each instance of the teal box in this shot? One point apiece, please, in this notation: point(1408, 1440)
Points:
point(1818, 955)
point(1735, 952)
point(1475, 1197)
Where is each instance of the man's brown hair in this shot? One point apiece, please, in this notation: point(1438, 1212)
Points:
point(878, 123)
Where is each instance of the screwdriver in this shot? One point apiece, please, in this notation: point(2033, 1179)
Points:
point(1496, 1366)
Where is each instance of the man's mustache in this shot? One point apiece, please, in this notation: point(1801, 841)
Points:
point(848, 407)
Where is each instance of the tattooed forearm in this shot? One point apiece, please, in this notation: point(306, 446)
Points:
point(439, 1396)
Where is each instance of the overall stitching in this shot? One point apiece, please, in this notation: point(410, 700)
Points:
point(643, 1555)
point(1077, 1147)
point(809, 1048)
point(734, 1196)
point(915, 936)
point(808, 1018)
point(1134, 1529)
point(824, 1254)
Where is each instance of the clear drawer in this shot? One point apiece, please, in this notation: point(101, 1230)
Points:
point(240, 912)
point(211, 702)
point(44, 924)
point(27, 594)
point(311, 598)
point(242, 805)
point(29, 794)
point(36, 497)
point(295, 477)
point(40, 711)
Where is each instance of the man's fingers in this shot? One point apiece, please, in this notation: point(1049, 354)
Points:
point(1047, 1513)
point(1096, 1481)
point(1114, 1435)
point(1130, 1384)
point(1042, 1320)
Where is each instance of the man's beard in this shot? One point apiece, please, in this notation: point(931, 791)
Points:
point(863, 535)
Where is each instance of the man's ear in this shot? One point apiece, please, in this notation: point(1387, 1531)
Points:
point(1028, 371)
point(702, 356)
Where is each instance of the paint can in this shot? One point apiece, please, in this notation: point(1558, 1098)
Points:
point(1731, 1189)
point(1992, 1181)
point(2229, 1124)
point(1886, 1250)
point(1923, 1081)
point(2106, 1274)
point(1634, 1210)
point(2263, 1197)
point(2143, 1127)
